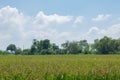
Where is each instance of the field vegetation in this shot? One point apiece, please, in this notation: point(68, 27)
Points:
point(60, 67)
point(73, 60)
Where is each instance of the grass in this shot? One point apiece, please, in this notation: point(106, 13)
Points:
point(60, 67)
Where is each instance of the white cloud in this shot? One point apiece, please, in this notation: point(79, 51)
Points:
point(79, 19)
point(41, 18)
point(101, 17)
point(114, 30)
point(12, 22)
point(12, 16)
point(17, 28)
point(95, 32)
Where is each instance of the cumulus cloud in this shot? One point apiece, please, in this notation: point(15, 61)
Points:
point(79, 19)
point(15, 27)
point(101, 17)
point(113, 31)
point(12, 22)
point(95, 32)
point(20, 29)
point(47, 19)
point(12, 16)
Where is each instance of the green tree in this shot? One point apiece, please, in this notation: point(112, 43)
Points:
point(40, 47)
point(71, 47)
point(18, 51)
point(26, 52)
point(65, 47)
point(46, 44)
point(105, 45)
point(11, 47)
point(35, 47)
point(33, 50)
point(84, 46)
point(54, 49)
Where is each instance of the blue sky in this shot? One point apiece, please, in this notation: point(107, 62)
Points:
point(57, 20)
point(65, 7)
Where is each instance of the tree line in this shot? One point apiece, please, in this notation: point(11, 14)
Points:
point(105, 45)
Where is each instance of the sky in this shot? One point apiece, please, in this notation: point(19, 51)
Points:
point(21, 21)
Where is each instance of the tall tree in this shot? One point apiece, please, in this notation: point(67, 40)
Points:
point(46, 44)
point(72, 47)
point(11, 47)
point(83, 44)
point(65, 47)
point(105, 45)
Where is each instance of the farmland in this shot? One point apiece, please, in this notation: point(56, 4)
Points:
point(60, 67)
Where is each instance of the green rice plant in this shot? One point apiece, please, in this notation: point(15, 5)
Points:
point(60, 67)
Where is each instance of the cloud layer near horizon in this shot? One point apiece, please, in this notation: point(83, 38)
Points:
point(20, 29)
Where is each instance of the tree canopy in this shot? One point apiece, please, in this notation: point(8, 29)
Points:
point(105, 45)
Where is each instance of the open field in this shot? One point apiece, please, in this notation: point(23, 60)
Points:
point(60, 67)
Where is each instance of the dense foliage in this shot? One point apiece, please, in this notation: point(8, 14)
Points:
point(105, 45)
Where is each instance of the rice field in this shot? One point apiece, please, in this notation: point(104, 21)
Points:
point(60, 67)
